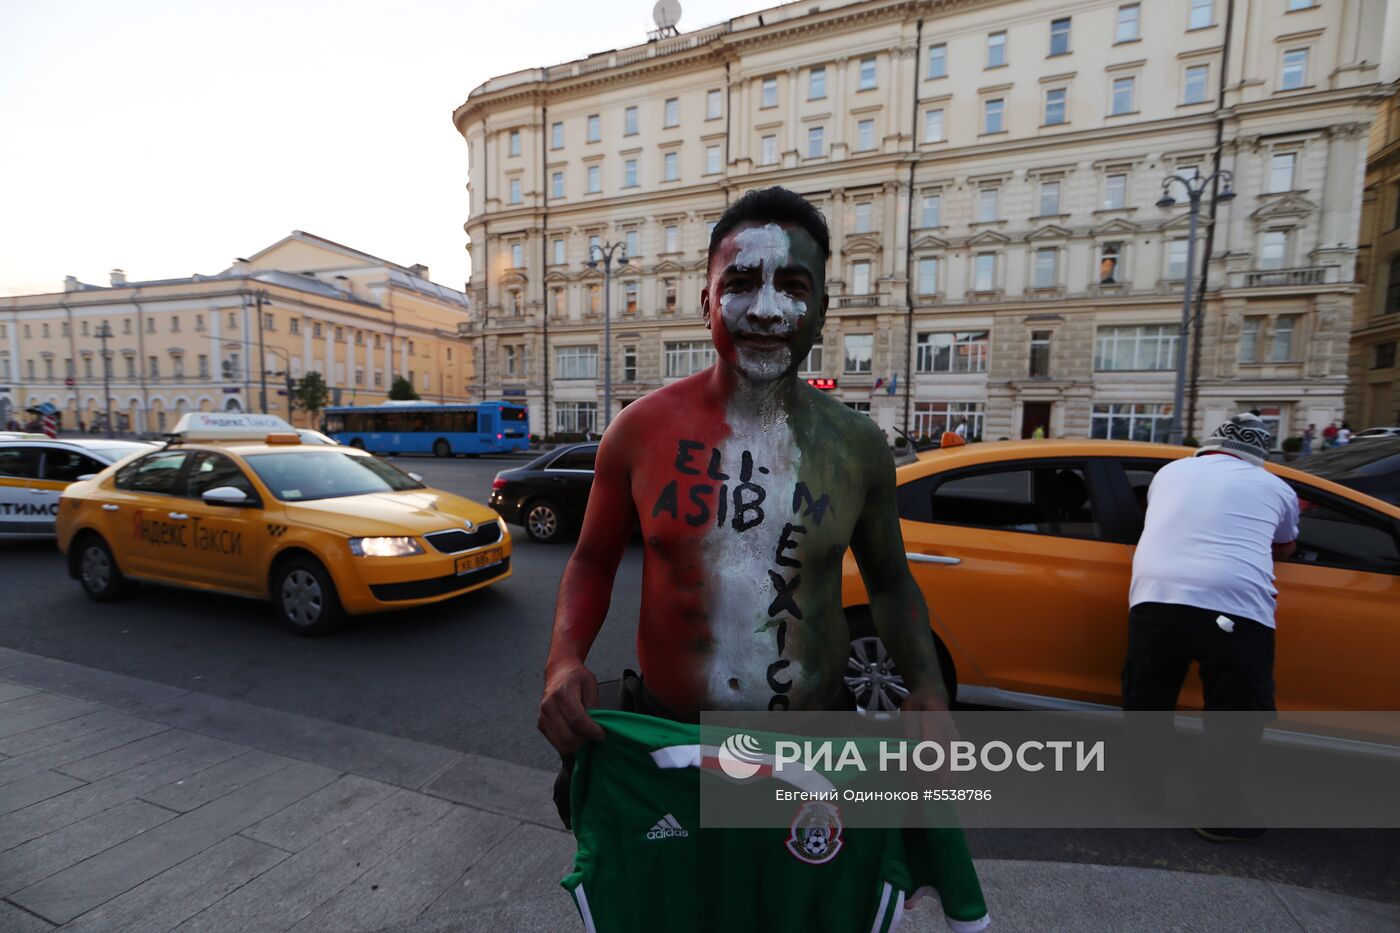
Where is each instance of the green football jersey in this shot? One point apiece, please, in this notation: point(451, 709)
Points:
point(643, 863)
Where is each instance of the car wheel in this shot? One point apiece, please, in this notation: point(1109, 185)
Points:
point(872, 679)
point(542, 521)
point(441, 448)
point(102, 581)
point(357, 444)
point(304, 597)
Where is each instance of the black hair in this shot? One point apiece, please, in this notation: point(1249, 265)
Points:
point(776, 205)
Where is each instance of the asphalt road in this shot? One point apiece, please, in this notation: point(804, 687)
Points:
point(467, 675)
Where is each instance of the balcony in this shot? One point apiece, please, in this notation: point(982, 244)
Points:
point(857, 301)
point(1286, 278)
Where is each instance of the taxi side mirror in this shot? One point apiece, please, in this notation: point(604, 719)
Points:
point(227, 496)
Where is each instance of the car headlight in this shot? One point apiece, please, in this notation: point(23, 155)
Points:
point(384, 547)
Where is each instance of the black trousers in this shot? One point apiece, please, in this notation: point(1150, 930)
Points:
point(1237, 674)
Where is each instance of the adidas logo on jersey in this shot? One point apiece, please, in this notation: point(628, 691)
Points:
point(667, 828)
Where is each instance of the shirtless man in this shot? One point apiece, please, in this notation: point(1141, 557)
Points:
point(749, 485)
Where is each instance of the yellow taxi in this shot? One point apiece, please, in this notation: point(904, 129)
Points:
point(235, 503)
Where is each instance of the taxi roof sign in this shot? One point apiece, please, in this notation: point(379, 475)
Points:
point(229, 426)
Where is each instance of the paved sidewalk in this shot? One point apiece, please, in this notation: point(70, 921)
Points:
point(131, 805)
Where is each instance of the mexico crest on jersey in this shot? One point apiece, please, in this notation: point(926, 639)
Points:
point(816, 833)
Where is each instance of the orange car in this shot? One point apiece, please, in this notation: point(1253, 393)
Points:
point(1024, 549)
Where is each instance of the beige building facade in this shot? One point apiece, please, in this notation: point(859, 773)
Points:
point(219, 342)
point(1374, 397)
point(990, 173)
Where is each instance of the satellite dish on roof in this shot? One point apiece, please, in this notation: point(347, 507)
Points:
point(666, 13)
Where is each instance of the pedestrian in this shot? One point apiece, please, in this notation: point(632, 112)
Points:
point(1329, 436)
point(1344, 434)
point(1203, 590)
point(1039, 433)
point(1308, 436)
point(961, 429)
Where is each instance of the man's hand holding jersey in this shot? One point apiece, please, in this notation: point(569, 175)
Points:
point(569, 691)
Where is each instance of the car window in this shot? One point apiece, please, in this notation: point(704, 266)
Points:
point(1050, 499)
point(324, 473)
point(19, 461)
point(157, 473)
point(67, 465)
point(580, 459)
point(209, 470)
point(1334, 535)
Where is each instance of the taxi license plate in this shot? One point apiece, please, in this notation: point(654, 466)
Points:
point(477, 561)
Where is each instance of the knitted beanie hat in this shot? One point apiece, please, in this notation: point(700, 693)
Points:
point(1244, 435)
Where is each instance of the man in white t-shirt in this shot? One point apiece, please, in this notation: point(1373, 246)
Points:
point(1203, 579)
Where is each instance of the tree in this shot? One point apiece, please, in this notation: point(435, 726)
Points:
point(311, 394)
point(402, 390)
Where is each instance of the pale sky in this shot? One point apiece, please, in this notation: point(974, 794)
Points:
point(167, 137)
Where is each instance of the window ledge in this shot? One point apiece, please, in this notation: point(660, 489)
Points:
point(1294, 90)
point(1127, 41)
point(1125, 113)
point(993, 133)
point(1046, 126)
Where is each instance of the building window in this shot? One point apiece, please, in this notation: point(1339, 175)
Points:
point(1176, 258)
point(359, 377)
point(933, 125)
point(768, 150)
point(672, 237)
point(631, 244)
point(932, 210)
point(1135, 347)
point(1128, 421)
point(768, 95)
point(672, 113)
point(1294, 5)
point(515, 191)
point(669, 294)
point(1283, 339)
point(860, 278)
point(858, 350)
point(992, 113)
point(712, 165)
point(513, 302)
point(595, 299)
point(595, 243)
point(1049, 198)
point(928, 276)
point(556, 254)
point(1249, 340)
point(1273, 249)
point(130, 368)
point(984, 272)
point(672, 166)
point(512, 360)
point(1040, 354)
point(714, 105)
point(1110, 256)
point(938, 61)
point(1392, 288)
point(514, 141)
point(988, 204)
point(1129, 15)
point(556, 136)
point(958, 352)
point(150, 326)
point(595, 128)
point(862, 219)
point(557, 300)
point(629, 173)
point(688, 357)
point(931, 419)
point(1059, 36)
point(1384, 356)
point(816, 84)
point(1046, 267)
point(1202, 14)
point(152, 364)
point(556, 185)
point(316, 329)
point(816, 142)
point(996, 50)
point(629, 297)
point(1295, 69)
point(576, 362)
point(1194, 90)
point(595, 179)
point(812, 365)
point(293, 324)
point(865, 135)
point(630, 119)
point(867, 74)
point(629, 364)
point(575, 417)
point(1055, 106)
point(378, 379)
point(1281, 166)
point(1115, 192)
point(1123, 94)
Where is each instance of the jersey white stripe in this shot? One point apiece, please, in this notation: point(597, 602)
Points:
point(582, 900)
point(898, 917)
point(878, 925)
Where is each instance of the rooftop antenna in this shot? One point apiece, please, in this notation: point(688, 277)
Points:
point(666, 14)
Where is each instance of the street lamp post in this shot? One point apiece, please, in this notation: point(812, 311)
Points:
point(604, 254)
point(1195, 187)
point(104, 333)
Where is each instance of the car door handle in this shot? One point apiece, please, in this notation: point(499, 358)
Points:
point(932, 558)
point(41, 492)
point(108, 507)
point(179, 516)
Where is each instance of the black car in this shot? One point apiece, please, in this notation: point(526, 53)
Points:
point(548, 495)
point(1371, 466)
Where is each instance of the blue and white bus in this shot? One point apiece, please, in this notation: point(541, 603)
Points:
point(430, 428)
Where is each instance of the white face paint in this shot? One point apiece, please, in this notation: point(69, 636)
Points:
point(765, 312)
